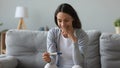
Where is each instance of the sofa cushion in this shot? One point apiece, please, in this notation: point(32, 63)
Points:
point(27, 46)
point(92, 54)
point(8, 61)
point(110, 50)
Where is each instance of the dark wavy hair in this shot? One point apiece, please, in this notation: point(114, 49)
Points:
point(67, 8)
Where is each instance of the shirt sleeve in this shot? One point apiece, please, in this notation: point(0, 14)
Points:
point(51, 45)
point(82, 41)
point(79, 46)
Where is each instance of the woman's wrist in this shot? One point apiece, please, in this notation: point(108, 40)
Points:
point(49, 61)
point(74, 39)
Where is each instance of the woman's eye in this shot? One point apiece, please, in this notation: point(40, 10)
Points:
point(63, 21)
point(59, 21)
point(66, 20)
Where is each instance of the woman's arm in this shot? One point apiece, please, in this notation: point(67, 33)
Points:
point(51, 44)
point(82, 41)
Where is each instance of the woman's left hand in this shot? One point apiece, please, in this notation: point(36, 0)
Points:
point(69, 31)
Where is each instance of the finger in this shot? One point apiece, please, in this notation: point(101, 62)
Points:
point(45, 54)
point(64, 31)
point(46, 59)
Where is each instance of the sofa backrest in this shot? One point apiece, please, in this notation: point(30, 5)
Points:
point(92, 54)
point(110, 50)
point(27, 46)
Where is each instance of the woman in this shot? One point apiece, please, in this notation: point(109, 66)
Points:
point(68, 38)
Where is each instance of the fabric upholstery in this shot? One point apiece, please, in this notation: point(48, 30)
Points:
point(8, 61)
point(110, 50)
point(92, 53)
point(27, 46)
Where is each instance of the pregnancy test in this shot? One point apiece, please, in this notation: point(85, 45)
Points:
point(56, 53)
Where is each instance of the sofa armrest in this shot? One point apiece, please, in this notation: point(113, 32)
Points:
point(8, 61)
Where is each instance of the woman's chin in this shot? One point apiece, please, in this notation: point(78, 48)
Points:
point(65, 36)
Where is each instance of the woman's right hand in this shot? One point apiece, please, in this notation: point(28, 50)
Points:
point(46, 57)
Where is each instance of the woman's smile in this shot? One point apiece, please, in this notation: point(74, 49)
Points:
point(64, 20)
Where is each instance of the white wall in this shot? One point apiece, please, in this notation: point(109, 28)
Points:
point(94, 14)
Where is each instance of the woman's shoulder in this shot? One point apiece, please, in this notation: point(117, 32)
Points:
point(81, 32)
point(54, 31)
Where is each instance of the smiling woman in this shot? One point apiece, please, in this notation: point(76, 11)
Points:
point(68, 37)
point(65, 23)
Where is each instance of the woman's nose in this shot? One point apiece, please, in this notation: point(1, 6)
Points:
point(62, 24)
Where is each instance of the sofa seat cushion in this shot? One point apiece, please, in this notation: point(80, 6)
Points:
point(7, 61)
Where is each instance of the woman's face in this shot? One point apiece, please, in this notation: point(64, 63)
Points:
point(64, 20)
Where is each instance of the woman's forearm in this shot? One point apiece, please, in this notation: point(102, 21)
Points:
point(77, 56)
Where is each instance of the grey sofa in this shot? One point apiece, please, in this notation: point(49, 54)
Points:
point(24, 49)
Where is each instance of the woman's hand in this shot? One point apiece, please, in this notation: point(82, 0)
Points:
point(46, 57)
point(69, 32)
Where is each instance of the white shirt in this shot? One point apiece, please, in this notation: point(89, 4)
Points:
point(66, 60)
